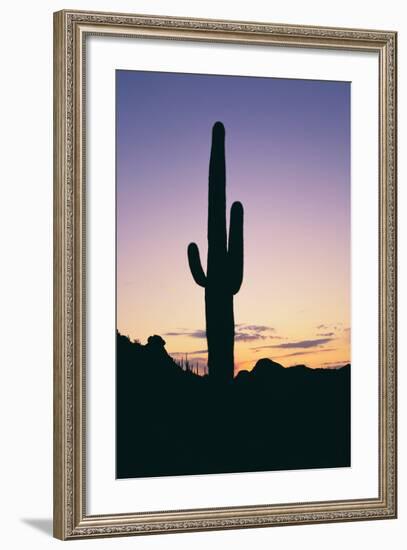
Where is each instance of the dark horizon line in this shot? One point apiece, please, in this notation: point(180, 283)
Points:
point(185, 354)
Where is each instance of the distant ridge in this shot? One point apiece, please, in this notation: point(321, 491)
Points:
point(172, 421)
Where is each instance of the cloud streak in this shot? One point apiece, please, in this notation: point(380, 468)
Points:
point(244, 333)
point(256, 328)
point(303, 344)
point(298, 353)
point(195, 352)
point(189, 333)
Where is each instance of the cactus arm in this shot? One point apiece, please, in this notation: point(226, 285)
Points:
point(195, 265)
point(217, 194)
point(235, 247)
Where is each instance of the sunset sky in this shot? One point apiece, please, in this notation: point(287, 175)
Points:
point(287, 161)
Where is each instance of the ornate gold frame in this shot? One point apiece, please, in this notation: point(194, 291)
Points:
point(70, 518)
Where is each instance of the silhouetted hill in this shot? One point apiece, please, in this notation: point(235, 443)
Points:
point(173, 422)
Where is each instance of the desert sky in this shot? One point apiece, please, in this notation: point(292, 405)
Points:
point(287, 161)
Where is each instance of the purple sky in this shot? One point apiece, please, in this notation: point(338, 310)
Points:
point(288, 162)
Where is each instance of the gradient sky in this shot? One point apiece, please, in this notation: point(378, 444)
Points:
point(287, 161)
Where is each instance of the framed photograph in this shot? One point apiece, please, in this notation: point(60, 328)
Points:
point(225, 274)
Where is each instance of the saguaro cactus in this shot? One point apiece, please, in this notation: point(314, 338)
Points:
point(224, 273)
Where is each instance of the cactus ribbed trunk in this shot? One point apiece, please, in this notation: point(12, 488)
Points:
point(220, 334)
point(224, 265)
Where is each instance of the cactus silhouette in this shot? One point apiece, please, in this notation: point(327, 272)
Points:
point(224, 273)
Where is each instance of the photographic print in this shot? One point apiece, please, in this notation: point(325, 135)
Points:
point(225, 296)
point(233, 274)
